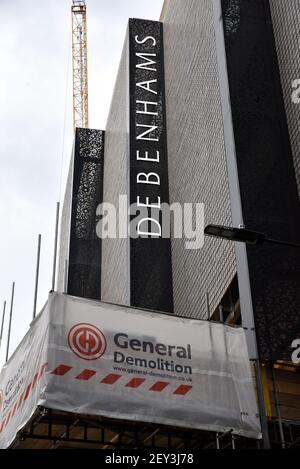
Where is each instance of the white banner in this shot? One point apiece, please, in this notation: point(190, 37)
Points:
point(128, 364)
point(22, 379)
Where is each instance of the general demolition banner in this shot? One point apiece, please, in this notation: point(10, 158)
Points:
point(22, 379)
point(88, 357)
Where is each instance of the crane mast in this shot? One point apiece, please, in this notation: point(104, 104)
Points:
point(79, 62)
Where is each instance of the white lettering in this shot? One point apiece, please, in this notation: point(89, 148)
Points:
point(143, 178)
point(150, 128)
point(149, 233)
point(146, 85)
point(145, 108)
point(148, 203)
point(148, 38)
point(146, 65)
point(146, 157)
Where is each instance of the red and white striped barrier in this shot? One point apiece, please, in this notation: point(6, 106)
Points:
point(112, 378)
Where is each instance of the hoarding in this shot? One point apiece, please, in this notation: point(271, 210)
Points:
point(88, 357)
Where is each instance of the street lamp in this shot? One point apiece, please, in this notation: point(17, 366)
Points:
point(253, 238)
point(243, 236)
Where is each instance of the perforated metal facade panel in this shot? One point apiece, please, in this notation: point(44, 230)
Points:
point(266, 172)
point(115, 252)
point(65, 229)
point(85, 247)
point(79, 268)
point(197, 160)
point(286, 25)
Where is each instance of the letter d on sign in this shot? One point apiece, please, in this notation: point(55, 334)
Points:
point(155, 234)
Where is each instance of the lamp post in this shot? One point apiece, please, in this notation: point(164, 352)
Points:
point(257, 238)
point(244, 236)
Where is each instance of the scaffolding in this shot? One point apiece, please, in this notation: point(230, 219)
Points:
point(53, 429)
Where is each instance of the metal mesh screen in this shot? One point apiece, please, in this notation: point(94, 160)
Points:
point(266, 173)
point(84, 278)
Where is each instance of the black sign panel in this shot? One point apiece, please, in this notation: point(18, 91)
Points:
point(266, 174)
point(150, 253)
point(84, 279)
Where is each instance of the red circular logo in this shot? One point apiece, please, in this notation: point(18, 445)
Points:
point(87, 341)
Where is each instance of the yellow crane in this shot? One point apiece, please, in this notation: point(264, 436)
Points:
point(79, 62)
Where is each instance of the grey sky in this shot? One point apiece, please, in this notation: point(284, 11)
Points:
point(35, 51)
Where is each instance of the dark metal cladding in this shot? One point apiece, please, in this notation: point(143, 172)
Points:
point(84, 278)
point(266, 174)
point(150, 258)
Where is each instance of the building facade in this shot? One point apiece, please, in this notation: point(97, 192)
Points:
point(194, 134)
point(209, 88)
point(207, 93)
point(229, 73)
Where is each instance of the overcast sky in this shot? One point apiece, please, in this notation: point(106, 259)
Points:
point(35, 90)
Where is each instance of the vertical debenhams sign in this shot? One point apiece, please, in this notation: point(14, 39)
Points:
point(150, 253)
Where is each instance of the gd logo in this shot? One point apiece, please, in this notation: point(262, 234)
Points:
point(87, 341)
